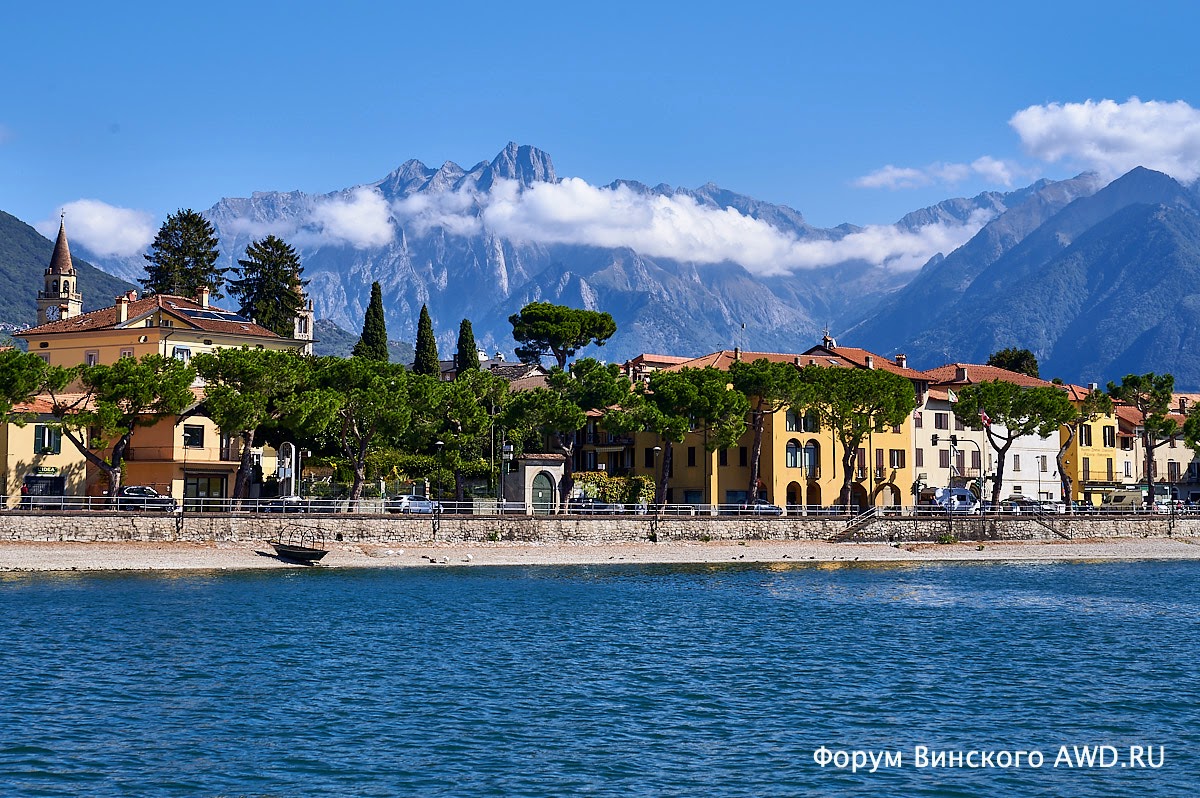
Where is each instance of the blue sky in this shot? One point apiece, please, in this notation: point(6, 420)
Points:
point(853, 112)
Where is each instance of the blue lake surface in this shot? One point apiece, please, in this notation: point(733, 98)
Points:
point(614, 680)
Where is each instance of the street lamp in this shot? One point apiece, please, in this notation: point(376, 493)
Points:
point(657, 481)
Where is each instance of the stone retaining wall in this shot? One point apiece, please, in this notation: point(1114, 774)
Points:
point(411, 530)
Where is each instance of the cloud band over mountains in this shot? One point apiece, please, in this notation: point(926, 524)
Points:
point(1103, 136)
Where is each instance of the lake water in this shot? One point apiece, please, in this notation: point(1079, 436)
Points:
point(615, 680)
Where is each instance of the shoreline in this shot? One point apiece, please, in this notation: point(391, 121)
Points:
point(25, 556)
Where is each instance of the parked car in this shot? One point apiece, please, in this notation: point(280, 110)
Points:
point(144, 497)
point(1053, 507)
point(588, 505)
point(284, 504)
point(759, 507)
point(1020, 505)
point(413, 503)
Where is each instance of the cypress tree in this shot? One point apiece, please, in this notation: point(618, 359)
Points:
point(372, 345)
point(467, 356)
point(427, 354)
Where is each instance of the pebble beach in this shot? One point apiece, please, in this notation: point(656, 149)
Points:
point(17, 556)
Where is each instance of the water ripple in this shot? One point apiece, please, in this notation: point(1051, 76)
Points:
point(619, 680)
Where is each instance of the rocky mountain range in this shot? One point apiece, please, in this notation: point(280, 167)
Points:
point(1095, 279)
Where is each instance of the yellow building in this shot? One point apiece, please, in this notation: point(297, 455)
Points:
point(186, 456)
point(1099, 458)
point(800, 464)
point(37, 461)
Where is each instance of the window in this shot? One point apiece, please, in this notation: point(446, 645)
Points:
point(1043, 462)
point(958, 425)
point(1016, 462)
point(941, 421)
point(792, 421)
point(302, 326)
point(1171, 443)
point(896, 458)
point(1128, 468)
point(126, 353)
point(960, 461)
point(1110, 437)
point(812, 460)
point(917, 422)
point(47, 440)
point(879, 462)
point(943, 458)
point(91, 358)
point(182, 353)
point(742, 458)
point(691, 457)
point(1087, 468)
point(193, 436)
point(975, 460)
point(1172, 471)
point(895, 429)
point(792, 459)
point(919, 458)
point(44, 356)
point(649, 457)
point(1085, 434)
point(812, 422)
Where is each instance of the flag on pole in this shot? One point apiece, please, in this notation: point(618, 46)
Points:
point(985, 418)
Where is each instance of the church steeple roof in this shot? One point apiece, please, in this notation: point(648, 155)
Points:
point(60, 261)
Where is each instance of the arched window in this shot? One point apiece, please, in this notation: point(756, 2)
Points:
point(54, 287)
point(812, 460)
point(793, 454)
point(66, 286)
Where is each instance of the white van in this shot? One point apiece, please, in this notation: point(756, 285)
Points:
point(1133, 500)
point(956, 500)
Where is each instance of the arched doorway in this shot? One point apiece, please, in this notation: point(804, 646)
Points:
point(858, 498)
point(543, 494)
point(795, 495)
point(814, 495)
point(890, 495)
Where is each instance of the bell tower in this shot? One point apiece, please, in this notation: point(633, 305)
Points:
point(60, 298)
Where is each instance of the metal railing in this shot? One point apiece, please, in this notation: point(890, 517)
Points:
point(491, 507)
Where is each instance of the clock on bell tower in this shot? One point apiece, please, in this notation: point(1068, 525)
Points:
point(60, 297)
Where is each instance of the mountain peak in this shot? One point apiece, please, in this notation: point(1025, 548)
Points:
point(525, 164)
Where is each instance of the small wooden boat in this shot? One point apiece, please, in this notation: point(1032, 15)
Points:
point(300, 545)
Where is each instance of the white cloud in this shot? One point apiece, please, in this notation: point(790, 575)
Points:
point(676, 227)
point(106, 230)
point(1111, 138)
point(893, 177)
point(362, 219)
point(450, 210)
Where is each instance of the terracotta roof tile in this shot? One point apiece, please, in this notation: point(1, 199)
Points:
point(189, 311)
point(976, 373)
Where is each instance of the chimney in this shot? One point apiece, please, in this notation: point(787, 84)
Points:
point(204, 293)
point(122, 308)
point(960, 374)
point(870, 362)
point(902, 361)
point(1093, 386)
point(796, 360)
point(737, 354)
point(1183, 403)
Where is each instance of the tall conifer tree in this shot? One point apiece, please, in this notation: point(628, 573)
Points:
point(427, 354)
point(183, 257)
point(467, 356)
point(372, 345)
point(270, 289)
